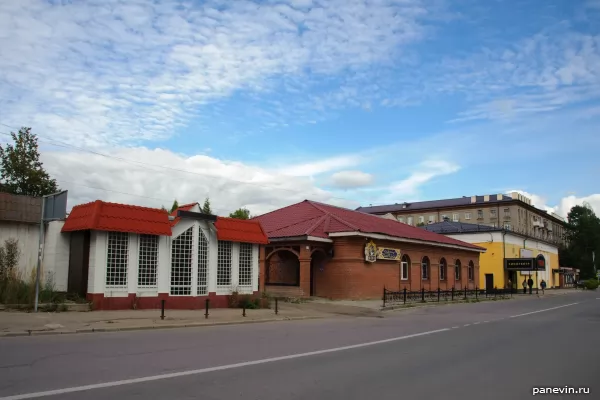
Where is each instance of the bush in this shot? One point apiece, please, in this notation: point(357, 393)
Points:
point(591, 284)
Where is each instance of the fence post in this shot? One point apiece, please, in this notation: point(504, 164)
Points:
point(423, 295)
point(206, 302)
point(438, 294)
point(404, 295)
point(452, 293)
point(244, 310)
point(276, 306)
point(465, 293)
point(476, 293)
point(384, 297)
point(162, 309)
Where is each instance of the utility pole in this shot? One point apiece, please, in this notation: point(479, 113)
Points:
point(40, 256)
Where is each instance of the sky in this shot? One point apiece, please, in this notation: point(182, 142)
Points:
point(349, 102)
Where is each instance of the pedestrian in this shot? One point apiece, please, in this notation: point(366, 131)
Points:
point(524, 285)
point(510, 285)
point(530, 284)
point(543, 285)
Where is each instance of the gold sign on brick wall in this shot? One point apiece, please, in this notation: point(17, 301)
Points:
point(387, 253)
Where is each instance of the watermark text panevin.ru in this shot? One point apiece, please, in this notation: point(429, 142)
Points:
point(560, 390)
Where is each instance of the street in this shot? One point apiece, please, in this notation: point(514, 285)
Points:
point(491, 350)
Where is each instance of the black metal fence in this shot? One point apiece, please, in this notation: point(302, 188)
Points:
point(436, 296)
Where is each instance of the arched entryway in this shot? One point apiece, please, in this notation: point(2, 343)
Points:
point(282, 268)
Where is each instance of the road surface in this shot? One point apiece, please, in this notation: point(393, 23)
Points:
point(491, 350)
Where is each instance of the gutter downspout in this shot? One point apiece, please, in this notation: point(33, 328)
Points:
point(503, 248)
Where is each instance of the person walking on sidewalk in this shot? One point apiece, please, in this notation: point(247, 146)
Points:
point(543, 285)
point(524, 286)
point(530, 284)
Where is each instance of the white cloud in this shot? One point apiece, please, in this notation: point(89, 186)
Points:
point(229, 184)
point(321, 166)
point(426, 171)
point(116, 71)
point(351, 179)
point(565, 204)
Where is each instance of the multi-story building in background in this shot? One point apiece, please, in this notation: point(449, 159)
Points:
point(512, 212)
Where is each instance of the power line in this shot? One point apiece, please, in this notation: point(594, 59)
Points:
point(58, 143)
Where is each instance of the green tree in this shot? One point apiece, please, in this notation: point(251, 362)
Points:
point(240, 213)
point(206, 207)
point(583, 240)
point(22, 171)
point(175, 206)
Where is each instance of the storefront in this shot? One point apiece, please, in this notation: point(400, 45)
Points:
point(320, 250)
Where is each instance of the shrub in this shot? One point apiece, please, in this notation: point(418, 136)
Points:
point(591, 284)
point(9, 258)
point(233, 299)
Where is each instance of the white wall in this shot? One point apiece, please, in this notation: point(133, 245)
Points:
point(55, 264)
point(98, 251)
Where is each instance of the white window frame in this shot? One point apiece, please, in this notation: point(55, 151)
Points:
point(425, 269)
point(203, 263)
point(410, 220)
point(467, 215)
point(432, 218)
point(455, 217)
point(404, 273)
point(148, 261)
point(480, 214)
point(184, 262)
point(400, 219)
point(116, 262)
point(224, 263)
point(245, 265)
point(421, 219)
point(444, 269)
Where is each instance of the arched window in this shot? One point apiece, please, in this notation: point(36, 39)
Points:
point(443, 267)
point(457, 267)
point(425, 268)
point(405, 268)
point(471, 271)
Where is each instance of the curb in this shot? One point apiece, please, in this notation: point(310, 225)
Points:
point(436, 304)
point(151, 327)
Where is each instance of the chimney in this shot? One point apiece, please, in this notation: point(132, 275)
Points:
point(499, 197)
point(486, 197)
point(473, 199)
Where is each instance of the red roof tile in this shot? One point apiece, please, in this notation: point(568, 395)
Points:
point(103, 216)
point(185, 207)
point(239, 230)
point(310, 218)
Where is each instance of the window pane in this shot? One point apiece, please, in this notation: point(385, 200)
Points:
point(224, 263)
point(148, 261)
point(202, 264)
point(245, 264)
point(116, 260)
point(181, 264)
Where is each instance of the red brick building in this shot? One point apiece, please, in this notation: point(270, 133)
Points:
point(321, 250)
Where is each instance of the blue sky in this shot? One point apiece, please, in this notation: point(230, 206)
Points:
point(261, 104)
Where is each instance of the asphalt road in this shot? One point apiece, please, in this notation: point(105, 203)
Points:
point(492, 350)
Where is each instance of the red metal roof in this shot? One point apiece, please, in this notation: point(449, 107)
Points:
point(239, 230)
point(185, 207)
point(310, 218)
point(103, 216)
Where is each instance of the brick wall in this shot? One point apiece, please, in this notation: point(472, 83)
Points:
point(348, 276)
point(20, 208)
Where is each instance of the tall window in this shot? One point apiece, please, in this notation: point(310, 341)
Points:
point(443, 269)
point(181, 264)
point(202, 264)
point(479, 214)
point(425, 268)
point(421, 219)
point(245, 265)
point(455, 217)
point(224, 263)
point(471, 271)
point(467, 215)
point(148, 261)
point(457, 267)
point(404, 268)
point(507, 213)
point(400, 219)
point(431, 219)
point(409, 220)
point(116, 260)
point(493, 213)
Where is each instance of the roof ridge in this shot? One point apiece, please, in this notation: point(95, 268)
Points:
point(279, 209)
point(128, 205)
point(337, 218)
point(316, 224)
point(295, 223)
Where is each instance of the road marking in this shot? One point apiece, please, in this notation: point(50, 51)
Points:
point(485, 322)
point(455, 327)
point(466, 324)
point(544, 310)
point(210, 369)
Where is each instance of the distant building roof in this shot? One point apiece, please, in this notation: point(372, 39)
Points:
point(446, 227)
point(103, 216)
point(19, 208)
point(422, 205)
point(310, 218)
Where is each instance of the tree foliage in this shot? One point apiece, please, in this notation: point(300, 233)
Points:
point(206, 207)
point(175, 206)
point(22, 172)
point(240, 213)
point(583, 240)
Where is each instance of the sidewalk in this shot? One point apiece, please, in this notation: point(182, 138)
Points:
point(14, 323)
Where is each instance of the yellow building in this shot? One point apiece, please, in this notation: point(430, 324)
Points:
point(503, 244)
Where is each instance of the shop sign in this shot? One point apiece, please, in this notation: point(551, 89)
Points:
point(374, 253)
point(540, 263)
point(519, 264)
point(386, 253)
